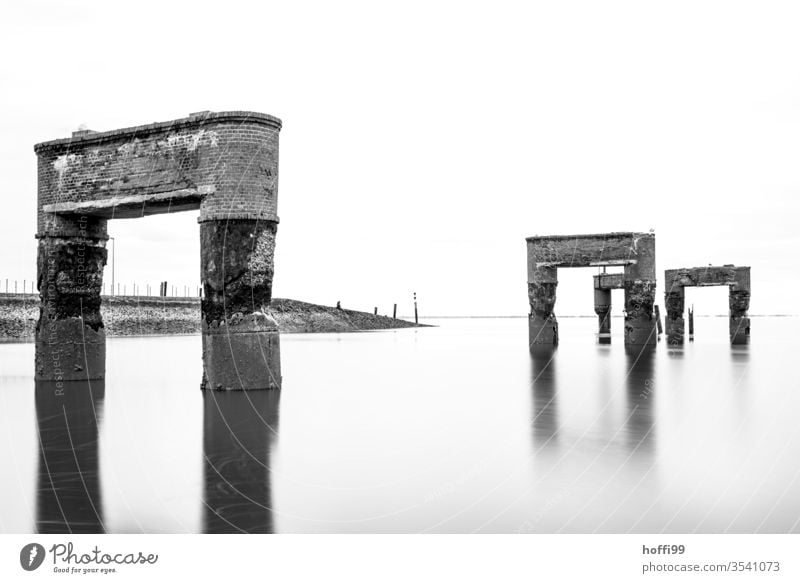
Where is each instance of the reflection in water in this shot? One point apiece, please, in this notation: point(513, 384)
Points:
point(545, 396)
point(712, 447)
point(641, 389)
point(238, 433)
point(740, 354)
point(68, 414)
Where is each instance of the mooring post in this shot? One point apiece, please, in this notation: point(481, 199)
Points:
point(658, 320)
point(416, 317)
point(691, 322)
point(394, 312)
point(376, 310)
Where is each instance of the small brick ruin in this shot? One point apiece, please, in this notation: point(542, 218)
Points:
point(736, 278)
point(225, 165)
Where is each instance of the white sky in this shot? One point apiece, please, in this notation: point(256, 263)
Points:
point(423, 142)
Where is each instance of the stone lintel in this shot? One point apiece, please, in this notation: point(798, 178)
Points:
point(132, 206)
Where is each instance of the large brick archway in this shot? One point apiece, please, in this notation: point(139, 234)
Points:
point(225, 165)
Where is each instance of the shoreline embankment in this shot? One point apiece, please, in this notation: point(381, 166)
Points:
point(153, 315)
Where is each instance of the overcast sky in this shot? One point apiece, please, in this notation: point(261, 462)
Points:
point(423, 142)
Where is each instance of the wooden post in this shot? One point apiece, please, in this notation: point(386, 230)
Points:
point(376, 311)
point(416, 317)
point(658, 321)
point(394, 312)
point(691, 323)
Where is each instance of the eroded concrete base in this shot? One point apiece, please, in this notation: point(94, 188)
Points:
point(542, 331)
point(242, 356)
point(739, 329)
point(70, 350)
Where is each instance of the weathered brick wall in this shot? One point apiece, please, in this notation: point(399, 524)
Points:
point(230, 160)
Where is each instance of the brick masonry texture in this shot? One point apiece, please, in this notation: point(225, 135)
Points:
point(229, 159)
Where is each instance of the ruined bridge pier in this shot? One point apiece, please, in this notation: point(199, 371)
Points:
point(225, 165)
point(634, 251)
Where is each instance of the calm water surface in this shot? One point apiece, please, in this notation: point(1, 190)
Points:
point(450, 429)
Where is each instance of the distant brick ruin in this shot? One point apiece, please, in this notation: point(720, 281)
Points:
point(736, 278)
point(634, 251)
point(225, 165)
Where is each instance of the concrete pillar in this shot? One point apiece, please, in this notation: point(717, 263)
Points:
point(739, 303)
point(674, 300)
point(640, 325)
point(542, 324)
point(602, 307)
point(241, 346)
point(70, 337)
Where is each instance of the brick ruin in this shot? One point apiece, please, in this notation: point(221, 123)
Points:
point(634, 251)
point(225, 165)
point(736, 278)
